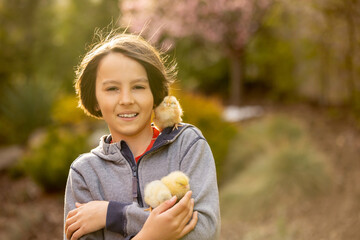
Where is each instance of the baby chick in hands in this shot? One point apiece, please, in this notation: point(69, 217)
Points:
point(168, 113)
point(178, 183)
point(158, 191)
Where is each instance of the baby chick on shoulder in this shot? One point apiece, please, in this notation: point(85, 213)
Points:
point(168, 113)
point(158, 191)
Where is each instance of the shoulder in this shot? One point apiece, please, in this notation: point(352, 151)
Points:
point(190, 132)
point(184, 132)
point(83, 162)
point(187, 136)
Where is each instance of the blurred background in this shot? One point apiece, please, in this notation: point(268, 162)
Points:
point(273, 85)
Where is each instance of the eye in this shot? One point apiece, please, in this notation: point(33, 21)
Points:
point(109, 89)
point(138, 87)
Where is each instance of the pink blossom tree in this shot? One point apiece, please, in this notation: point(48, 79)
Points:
point(228, 24)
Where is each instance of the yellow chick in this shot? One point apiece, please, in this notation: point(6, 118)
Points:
point(156, 193)
point(178, 183)
point(168, 113)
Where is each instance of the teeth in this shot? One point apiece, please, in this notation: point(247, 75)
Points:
point(128, 115)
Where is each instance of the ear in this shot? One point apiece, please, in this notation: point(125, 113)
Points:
point(97, 108)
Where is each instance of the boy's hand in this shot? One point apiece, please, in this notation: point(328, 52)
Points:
point(86, 218)
point(170, 221)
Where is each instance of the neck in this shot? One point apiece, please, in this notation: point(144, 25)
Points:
point(139, 142)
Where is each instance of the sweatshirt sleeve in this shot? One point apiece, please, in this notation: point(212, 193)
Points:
point(117, 215)
point(77, 191)
point(198, 162)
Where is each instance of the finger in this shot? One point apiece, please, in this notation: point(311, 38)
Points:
point(71, 229)
point(182, 205)
point(191, 225)
point(165, 206)
point(189, 213)
point(69, 222)
point(79, 204)
point(72, 213)
point(77, 235)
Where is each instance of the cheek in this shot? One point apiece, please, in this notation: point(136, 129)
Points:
point(103, 103)
point(150, 100)
point(150, 106)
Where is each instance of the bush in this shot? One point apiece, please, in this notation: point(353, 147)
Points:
point(65, 111)
point(48, 163)
point(25, 106)
point(205, 113)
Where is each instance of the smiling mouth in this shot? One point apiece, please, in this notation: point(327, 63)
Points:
point(128, 115)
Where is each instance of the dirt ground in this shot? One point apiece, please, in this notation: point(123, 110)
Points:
point(26, 212)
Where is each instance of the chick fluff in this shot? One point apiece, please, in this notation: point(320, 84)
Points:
point(158, 191)
point(168, 113)
point(178, 183)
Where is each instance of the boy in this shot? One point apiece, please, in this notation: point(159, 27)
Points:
point(121, 80)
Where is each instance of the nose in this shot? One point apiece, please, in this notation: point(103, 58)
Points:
point(126, 98)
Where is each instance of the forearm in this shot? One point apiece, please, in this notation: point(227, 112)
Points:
point(126, 219)
point(92, 215)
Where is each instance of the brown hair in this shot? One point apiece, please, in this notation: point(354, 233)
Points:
point(134, 47)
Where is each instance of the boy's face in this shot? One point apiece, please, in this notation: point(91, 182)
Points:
point(124, 96)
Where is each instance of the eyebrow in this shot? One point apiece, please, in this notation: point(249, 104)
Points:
point(111, 81)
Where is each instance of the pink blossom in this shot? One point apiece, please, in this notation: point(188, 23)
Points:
point(226, 22)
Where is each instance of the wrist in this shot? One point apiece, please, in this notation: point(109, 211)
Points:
point(140, 236)
point(105, 205)
point(145, 235)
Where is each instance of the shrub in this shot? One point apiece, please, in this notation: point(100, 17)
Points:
point(65, 111)
point(205, 113)
point(25, 106)
point(49, 162)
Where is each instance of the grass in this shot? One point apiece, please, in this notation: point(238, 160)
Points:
point(273, 165)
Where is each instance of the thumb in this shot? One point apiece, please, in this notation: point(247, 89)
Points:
point(78, 204)
point(165, 205)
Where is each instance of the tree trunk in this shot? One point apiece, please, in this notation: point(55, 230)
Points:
point(325, 45)
point(349, 62)
point(236, 79)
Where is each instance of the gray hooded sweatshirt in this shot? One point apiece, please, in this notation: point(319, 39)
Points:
point(109, 173)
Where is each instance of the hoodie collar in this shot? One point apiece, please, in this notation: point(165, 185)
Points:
point(111, 152)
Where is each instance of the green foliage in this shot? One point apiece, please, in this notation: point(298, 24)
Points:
point(25, 42)
point(272, 163)
point(271, 60)
point(201, 67)
point(205, 113)
point(75, 31)
point(40, 43)
point(65, 111)
point(46, 38)
point(49, 163)
point(25, 106)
